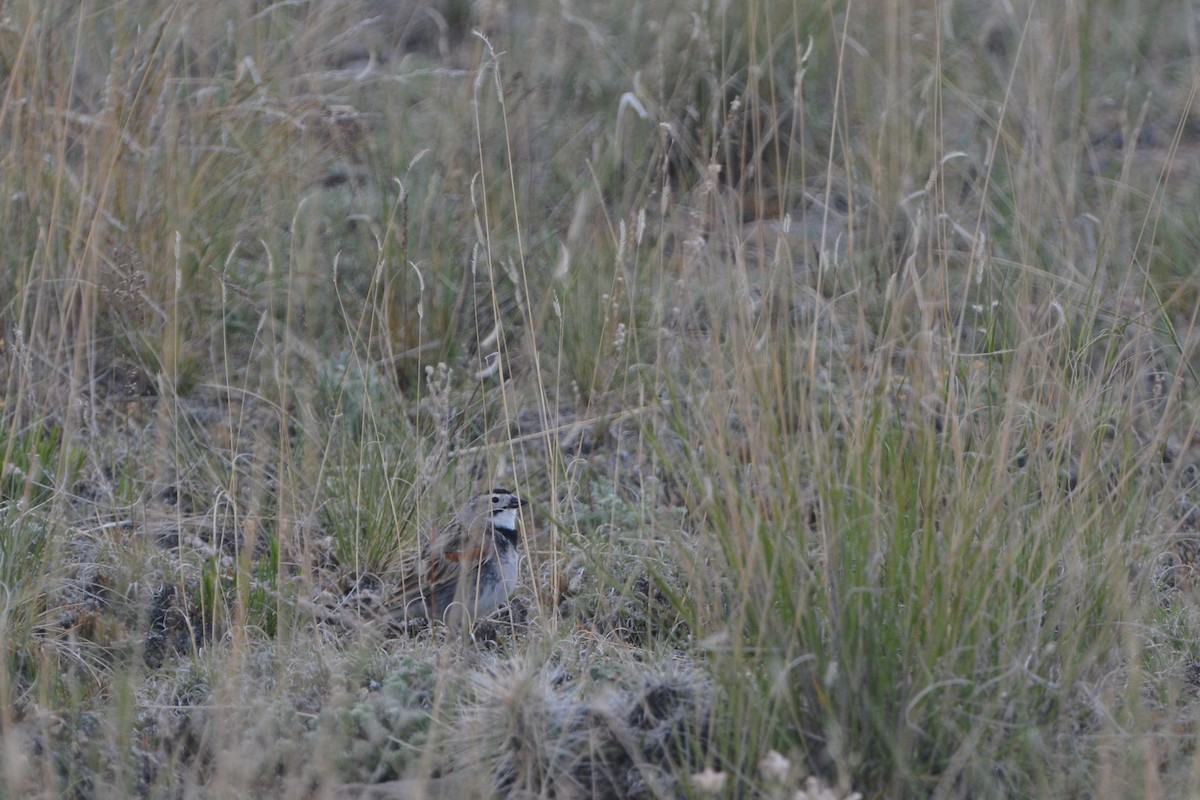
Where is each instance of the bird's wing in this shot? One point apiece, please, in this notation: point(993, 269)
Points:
point(442, 558)
point(458, 543)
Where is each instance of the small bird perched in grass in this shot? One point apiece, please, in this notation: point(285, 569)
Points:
point(468, 565)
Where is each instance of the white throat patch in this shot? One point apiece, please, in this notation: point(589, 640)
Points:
point(505, 520)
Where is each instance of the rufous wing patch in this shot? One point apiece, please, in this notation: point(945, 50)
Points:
point(472, 555)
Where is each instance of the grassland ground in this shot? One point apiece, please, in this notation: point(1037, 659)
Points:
point(847, 353)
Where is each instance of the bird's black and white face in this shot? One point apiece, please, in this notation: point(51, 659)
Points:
point(503, 506)
point(497, 509)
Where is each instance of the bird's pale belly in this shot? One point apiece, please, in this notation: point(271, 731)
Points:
point(497, 580)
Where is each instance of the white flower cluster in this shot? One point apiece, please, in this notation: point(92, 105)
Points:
point(775, 771)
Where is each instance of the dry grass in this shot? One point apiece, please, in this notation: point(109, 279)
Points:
point(846, 352)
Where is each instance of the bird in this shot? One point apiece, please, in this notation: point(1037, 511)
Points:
point(467, 566)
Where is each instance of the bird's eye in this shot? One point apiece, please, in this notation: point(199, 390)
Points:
point(495, 498)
